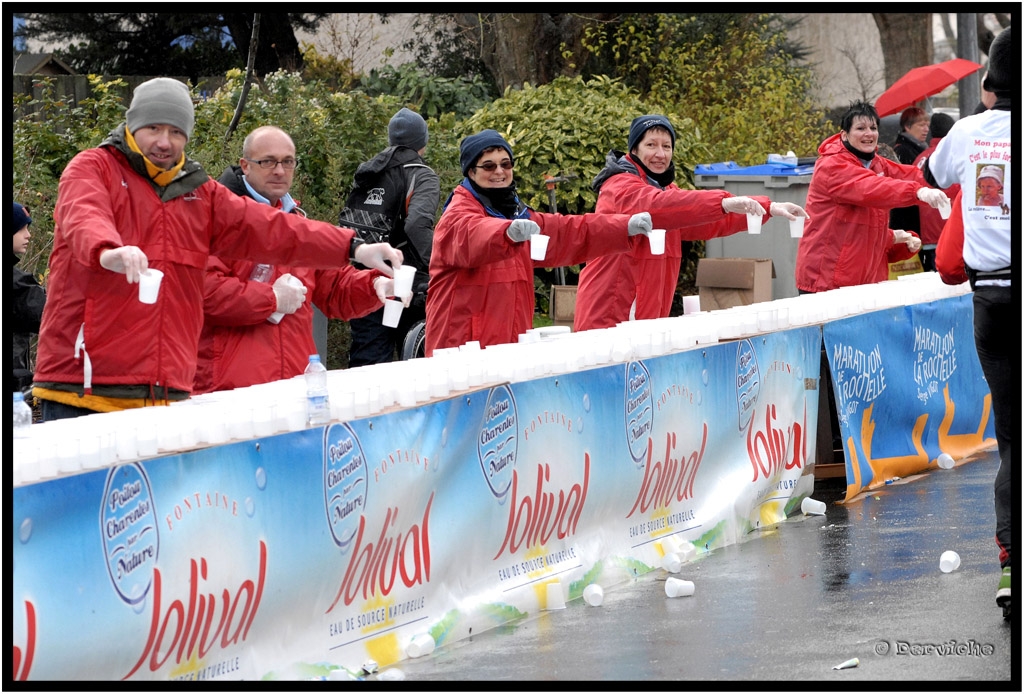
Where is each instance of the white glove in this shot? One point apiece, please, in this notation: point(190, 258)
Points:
point(640, 223)
point(385, 288)
point(741, 204)
point(789, 210)
point(130, 261)
point(377, 256)
point(914, 244)
point(522, 229)
point(290, 293)
point(932, 196)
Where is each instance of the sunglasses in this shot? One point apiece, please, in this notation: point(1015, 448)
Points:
point(491, 166)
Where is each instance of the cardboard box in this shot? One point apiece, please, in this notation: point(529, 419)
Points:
point(728, 282)
point(563, 304)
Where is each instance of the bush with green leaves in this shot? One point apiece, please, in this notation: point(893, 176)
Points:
point(742, 89)
point(429, 95)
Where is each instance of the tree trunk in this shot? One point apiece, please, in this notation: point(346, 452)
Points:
point(527, 47)
point(906, 42)
point(277, 48)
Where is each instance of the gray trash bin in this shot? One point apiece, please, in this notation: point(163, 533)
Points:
point(780, 183)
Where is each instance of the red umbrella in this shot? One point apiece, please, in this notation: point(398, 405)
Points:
point(922, 82)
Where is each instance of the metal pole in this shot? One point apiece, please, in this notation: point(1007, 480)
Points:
point(969, 87)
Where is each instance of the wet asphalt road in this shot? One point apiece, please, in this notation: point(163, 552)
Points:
point(786, 605)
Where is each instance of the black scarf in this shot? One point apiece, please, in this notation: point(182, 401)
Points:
point(502, 200)
point(662, 179)
point(863, 156)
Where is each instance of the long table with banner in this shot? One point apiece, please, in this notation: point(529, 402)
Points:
point(306, 553)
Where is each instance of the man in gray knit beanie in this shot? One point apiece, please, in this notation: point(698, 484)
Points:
point(162, 100)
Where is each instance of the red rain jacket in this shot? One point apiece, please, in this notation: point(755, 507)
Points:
point(847, 240)
point(104, 203)
point(481, 282)
point(609, 284)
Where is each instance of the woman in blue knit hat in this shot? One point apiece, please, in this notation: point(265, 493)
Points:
point(481, 272)
point(29, 299)
point(641, 285)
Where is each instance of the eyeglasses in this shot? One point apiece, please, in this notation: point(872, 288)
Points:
point(489, 166)
point(287, 164)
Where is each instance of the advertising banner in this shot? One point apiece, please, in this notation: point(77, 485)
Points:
point(908, 387)
point(290, 556)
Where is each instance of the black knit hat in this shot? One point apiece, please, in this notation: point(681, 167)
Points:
point(21, 218)
point(1001, 64)
point(642, 124)
point(473, 146)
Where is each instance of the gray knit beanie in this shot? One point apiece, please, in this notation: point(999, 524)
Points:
point(407, 129)
point(162, 100)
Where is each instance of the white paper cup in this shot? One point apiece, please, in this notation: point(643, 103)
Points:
point(420, 646)
point(945, 210)
point(403, 280)
point(672, 563)
point(392, 312)
point(691, 304)
point(796, 227)
point(149, 285)
point(656, 237)
point(539, 246)
point(949, 561)
point(946, 461)
point(812, 507)
point(593, 595)
point(555, 598)
point(678, 588)
point(753, 223)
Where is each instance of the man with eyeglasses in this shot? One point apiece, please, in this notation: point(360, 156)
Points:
point(257, 324)
point(134, 203)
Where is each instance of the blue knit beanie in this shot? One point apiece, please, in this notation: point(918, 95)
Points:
point(407, 129)
point(21, 218)
point(473, 146)
point(642, 124)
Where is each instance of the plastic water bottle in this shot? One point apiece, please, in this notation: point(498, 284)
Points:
point(22, 416)
point(318, 409)
point(262, 272)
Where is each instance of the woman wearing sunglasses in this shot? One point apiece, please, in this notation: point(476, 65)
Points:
point(481, 272)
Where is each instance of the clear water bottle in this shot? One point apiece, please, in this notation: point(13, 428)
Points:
point(22, 416)
point(318, 408)
point(262, 272)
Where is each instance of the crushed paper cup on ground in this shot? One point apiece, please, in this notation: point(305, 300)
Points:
point(812, 507)
point(678, 588)
point(852, 662)
point(593, 595)
point(949, 561)
point(555, 597)
point(946, 461)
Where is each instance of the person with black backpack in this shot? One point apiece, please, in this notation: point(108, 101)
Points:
point(394, 199)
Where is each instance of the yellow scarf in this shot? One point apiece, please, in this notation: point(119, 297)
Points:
point(159, 176)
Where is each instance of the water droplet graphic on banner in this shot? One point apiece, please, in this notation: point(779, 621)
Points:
point(25, 531)
point(261, 478)
point(586, 402)
point(250, 507)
